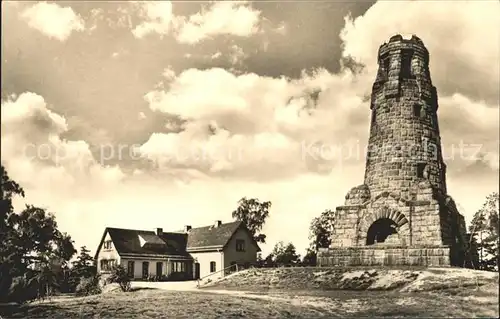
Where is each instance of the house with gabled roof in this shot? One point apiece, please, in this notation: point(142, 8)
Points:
point(191, 253)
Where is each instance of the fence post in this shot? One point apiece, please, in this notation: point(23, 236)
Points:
point(236, 267)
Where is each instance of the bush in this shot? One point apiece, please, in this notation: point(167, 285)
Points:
point(119, 275)
point(88, 286)
point(20, 291)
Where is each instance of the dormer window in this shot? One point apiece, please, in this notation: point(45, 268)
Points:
point(108, 244)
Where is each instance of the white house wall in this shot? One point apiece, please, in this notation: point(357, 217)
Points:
point(107, 254)
point(204, 259)
point(151, 268)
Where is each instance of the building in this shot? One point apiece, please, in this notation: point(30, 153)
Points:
point(401, 214)
point(183, 255)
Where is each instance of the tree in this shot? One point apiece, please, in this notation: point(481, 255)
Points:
point(310, 258)
point(321, 229)
point(28, 238)
point(484, 231)
point(83, 267)
point(285, 255)
point(119, 275)
point(253, 214)
point(46, 280)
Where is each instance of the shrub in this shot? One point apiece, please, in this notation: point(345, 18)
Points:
point(119, 275)
point(88, 286)
point(21, 291)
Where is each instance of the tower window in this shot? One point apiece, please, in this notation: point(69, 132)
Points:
point(417, 110)
point(420, 170)
point(385, 63)
point(406, 56)
point(374, 116)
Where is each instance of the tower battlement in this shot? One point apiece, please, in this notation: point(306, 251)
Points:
point(397, 42)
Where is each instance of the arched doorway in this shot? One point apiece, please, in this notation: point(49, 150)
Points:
point(380, 231)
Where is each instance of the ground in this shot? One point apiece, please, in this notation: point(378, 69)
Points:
point(423, 296)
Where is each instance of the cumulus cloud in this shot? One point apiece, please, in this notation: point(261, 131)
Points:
point(454, 32)
point(35, 153)
point(322, 108)
point(158, 18)
point(53, 20)
point(219, 18)
point(222, 17)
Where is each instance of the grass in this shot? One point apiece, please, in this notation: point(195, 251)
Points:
point(151, 303)
point(299, 293)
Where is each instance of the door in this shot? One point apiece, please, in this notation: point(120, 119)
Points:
point(159, 269)
point(131, 269)
point(145, 270)
point(196, 270)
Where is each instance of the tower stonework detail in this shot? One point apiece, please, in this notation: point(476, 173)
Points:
point(401, 214)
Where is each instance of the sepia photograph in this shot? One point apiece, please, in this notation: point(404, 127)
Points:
point(250, 159)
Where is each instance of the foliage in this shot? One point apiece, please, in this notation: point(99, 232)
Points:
point(83, 267)
point(285, 255)
point(21, 290)
point(309, 258)
point(88, 286)
point(119, 275)
point(253, 214)
point(45, 280)
point(484, 231)
point(28, 238)
point(266, 262)
point(321, 229)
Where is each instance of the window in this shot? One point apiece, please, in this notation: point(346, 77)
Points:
point(179, 266)
point(406, 56)
point(374, 116)
point(213, 266)
point(107, 264)
point(108, 244)
point(145, 269)
point(385, 63)
point(416, 110)
point(420, 170)
point(240, 245)
point(130, 269)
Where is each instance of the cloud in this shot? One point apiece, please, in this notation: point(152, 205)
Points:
point(321, 112)
point(454, 33)
point(33, 150)
point(158, 18)
point(53, 20)
point(221, 18)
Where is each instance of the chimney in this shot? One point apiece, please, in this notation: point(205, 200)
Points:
point(217, 223)
point(187, 228)
point(159, 231)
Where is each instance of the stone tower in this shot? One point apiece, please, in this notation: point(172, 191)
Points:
point(401, 214)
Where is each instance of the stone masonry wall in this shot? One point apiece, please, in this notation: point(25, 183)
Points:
point(384, 256)
point(404, 141)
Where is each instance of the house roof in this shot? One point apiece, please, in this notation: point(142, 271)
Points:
point(127, 241)
point(143, 242)
point(210, 236)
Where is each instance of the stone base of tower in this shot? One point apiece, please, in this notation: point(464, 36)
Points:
point(386, 256)
point(389, 229)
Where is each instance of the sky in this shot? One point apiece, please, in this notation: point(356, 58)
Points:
point(146, 114)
